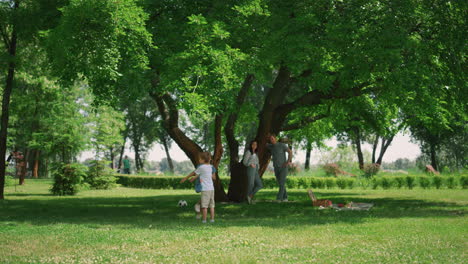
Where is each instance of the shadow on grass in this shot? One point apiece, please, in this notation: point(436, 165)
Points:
point(161, 211)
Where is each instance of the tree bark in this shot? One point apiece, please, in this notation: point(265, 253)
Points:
point(357, 142)
point(6, 105)
point(237, 190)
point(122, 150)
point(170, 117)
point(308, 151)
point(374, 147)
point(23, 168)
point(220, 194)
point(168, 155)
point(112, 157)
point(385, 144)
point(36, 164)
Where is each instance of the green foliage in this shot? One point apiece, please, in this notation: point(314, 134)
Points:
point(451, 182)
point(410, 182)
point(437, 181)
point(9, 181)
point(464, 182)
point(371, 169)
point(424, 182)
point(100, 176)
point(67, 178)
point(387, 182)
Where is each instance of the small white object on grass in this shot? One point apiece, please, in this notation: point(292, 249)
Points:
point(182, 203)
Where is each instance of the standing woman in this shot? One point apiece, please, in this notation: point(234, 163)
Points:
point(251, 161)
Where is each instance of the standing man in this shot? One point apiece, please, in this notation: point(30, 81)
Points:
point(126, 163)
point(278, 152)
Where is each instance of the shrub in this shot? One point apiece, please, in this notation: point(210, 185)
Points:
point(464, 182)
point(9, 181)
point(410, 182)
point(100, 176)
point(437, 181)
point(375, 182)
point(350, 182)
point(332, 169)
point(67, 178)
point(424, 182)
point(399, 182)
point(371, 169)
point(330, 182)
point(341, 183)
point(451, 183)
point(386, 182)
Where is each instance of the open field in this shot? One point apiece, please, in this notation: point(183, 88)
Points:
point(127, 225)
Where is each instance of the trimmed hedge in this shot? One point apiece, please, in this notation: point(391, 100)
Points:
point(377, 182)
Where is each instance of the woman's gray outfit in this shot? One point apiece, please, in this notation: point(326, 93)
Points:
point(254, 181)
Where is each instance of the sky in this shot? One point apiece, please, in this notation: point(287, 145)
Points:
point(401, 147)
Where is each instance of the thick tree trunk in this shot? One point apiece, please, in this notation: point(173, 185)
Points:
point(237, 190)
point(6, 105)
point(307, 160)
point(23, 168)
point(168, 155)
point(220, 194)
point(36, 164)
point(357, 142)
point(137, 158)
point(170, 116)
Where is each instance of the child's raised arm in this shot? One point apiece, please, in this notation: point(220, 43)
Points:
point(188, 177)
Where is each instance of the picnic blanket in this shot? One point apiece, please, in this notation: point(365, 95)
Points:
point(323, 203)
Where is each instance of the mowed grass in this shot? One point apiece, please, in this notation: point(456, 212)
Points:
point(128, 225)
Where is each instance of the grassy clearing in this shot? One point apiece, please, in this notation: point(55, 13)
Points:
point(128, 225)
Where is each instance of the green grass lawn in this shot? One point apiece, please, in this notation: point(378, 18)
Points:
point(128, 225)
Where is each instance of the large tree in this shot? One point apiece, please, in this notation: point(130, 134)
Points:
point(302, 54)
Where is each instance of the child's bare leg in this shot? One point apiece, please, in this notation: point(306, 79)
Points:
point(212, 213)
point(204, 211)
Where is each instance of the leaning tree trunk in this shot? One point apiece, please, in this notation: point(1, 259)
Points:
point(220, 194)
point(6, 105)
point(357, 142)
point(385, 144)
point(168, 155)
point(170, 117)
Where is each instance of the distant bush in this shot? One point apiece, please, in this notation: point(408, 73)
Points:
point(67, 178)
point(437, 182)
point(399, 182)
point(387, 182)
point(269, 182)
point(341, 183)
point(371, 169)
point(9, 181)
point(332, 169)
point(450, 182)
point(424, 182)
point(410, 182)
point(100, 176)
point(464, 182)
